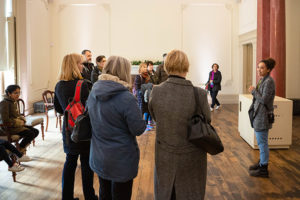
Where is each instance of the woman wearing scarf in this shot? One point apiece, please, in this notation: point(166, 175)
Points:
point(214, 85)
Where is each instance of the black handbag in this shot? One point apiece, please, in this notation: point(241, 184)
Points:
point(82, 131)
point(251, 113)
point(201, 133)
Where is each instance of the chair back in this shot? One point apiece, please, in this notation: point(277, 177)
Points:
point(21, 107)
point(48, 98)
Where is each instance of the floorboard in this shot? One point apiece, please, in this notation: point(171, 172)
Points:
point(227, 175)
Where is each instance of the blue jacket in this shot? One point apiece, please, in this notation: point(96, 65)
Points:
point(116, 121)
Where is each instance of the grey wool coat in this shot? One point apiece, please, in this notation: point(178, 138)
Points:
point(179, 165)
point(263, 104)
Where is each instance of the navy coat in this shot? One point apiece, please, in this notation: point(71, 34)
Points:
point(116, 121)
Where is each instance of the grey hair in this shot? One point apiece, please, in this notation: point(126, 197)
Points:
point(118, 66)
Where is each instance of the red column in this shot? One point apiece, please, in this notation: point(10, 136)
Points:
point(277, 44)
point(263, 31)
point(271, 39)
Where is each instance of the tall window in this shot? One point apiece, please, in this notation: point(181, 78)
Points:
point(7, 45)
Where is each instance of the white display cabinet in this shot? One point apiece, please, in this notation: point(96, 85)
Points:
point(280, 136)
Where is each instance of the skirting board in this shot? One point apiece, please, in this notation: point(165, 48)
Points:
point(226, 98)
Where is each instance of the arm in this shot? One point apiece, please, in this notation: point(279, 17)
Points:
point(138, 82)
point(267, 94)
point(6, 120)
point(150, 104)
point(57, 105)
point(204, 104)
point(208, 78)
point(158, 75)
point(133, 117)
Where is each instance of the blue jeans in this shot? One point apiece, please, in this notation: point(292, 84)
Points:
point(147, 117)
point(68, 177)
point(262, 142)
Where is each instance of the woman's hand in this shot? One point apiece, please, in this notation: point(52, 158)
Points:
point(251, 88)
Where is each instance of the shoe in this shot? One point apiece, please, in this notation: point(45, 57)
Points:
point(217, 108)
point(16, 168)
point(211, 109)
point(149, 128)
point(24, 158)
point(262, 171)
point(254, 166)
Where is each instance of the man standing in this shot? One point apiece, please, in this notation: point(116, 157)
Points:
point(161, 75)
point(88, 65)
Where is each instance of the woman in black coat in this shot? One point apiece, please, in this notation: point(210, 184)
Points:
point(214, 85)
point(70, 74)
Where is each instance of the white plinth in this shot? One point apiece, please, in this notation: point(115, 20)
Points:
point(280, 136)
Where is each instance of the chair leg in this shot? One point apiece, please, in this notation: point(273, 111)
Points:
point(60, 123)
point(47, 118)
point(33, 142)
point(14, 174)
point(42, 129)
point(56, 122)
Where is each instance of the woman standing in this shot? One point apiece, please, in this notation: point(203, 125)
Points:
point(214, 85)
point(180, 167)
point(10, 115)
point(70, 74)
point(263, 94)
point(116, 121)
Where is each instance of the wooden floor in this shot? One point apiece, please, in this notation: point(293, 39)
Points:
point(227, 176)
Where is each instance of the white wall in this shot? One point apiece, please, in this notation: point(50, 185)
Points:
point(292, 48)
point(247, 16)
point(207, 30)
point(33, 39)
point(140, 29)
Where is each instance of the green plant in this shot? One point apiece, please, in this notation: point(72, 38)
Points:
point(136, 62)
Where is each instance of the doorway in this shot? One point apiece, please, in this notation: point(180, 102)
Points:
point(247, 67)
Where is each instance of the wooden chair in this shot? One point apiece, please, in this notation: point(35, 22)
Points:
point(48, 98)
point(31, 120)
point(12, 139)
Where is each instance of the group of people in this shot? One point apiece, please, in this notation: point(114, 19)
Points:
point(116, 120)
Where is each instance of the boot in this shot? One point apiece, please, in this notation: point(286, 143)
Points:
point(262, 171)
point(254, 166)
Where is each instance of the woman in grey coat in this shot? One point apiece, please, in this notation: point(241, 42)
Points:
point(180, 167)
point(263, 95)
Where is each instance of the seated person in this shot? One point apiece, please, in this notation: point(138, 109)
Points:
point(12, 166)
point(10, 117)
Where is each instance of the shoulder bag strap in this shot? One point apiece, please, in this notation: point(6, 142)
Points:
point(78, 90)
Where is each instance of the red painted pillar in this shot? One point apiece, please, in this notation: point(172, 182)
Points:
point(263, 31)
point(277, 44)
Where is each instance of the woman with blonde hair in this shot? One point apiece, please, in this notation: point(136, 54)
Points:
point(180, 167)
point(70, 74)
point(116, 121)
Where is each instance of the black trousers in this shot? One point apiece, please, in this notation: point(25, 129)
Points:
point(214, 99)
point(28, 136)
point(3, 154)
point(110, 190)
point(68, 177)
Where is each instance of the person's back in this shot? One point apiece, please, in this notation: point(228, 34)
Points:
point(70, 74)
point(180, 167)
point(116, 121)
point(161, 74)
